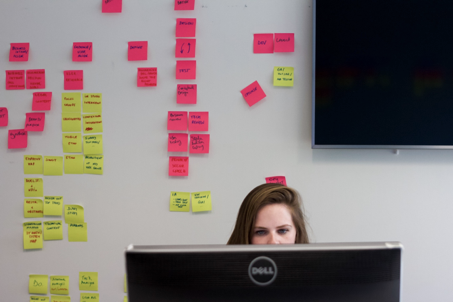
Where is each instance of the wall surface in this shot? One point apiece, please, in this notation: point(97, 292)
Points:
point(349, 195)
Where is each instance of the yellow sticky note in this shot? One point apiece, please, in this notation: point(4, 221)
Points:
point(53, 230)
point(92, 144)
point(125, 299)
point(92, 102)
point(73, 213)
point(33, 208)
point(180, 201)
point(53, 165)
point(37, 284)
point(39, 299)
point(88, 281)
point(53, 205)
point(32, 164)
point(71, 122)
point(87, 297)
point(72, 142)
point(33, 187)
point(59, 285)
point(92, 123)
point(283, 76)
point(77, 232)
point(33, 238)
point(71, 102)
point(60, 299)
point(125, 283)
point(94, 164)
point(73, 164)
point(201, 201)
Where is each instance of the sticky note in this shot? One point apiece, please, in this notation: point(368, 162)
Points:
point(177, 120)
point(92, 123)
point(41, 101)
point(32, 241)
point(94, 164)
point(39, 299)
point(15, 79)
point(53, 165)
point(60, 299)
point(36, 79)
point(184, 4)
point(263, 43)
point(53, 230)
point(199, 143)
point(33, 208)
point(253, 93)
point(59, 284)
point(178, 166)
point(18, 52)
point(82, 51)
point(185, 27)
point(35, 121)
point(199, 121)
point(77, 232)
point(186, 70)
point(33, 187)
point(73, 164)
point(73, 79)
point(88, 281)
point(92, 144)
point(185, 48)
point(92, 102)
point(276, 179)
point(53, 205)
point(147, 77)
point(73, 213)
point(71, 102)
point(33, 164)
point(125, 299)
point(125, 283)
point(112, 6)
point(201, 201)
point(71, 122)
point(186, 94)
point(283, 76)
point(284, 42)
point(72, 142)
point(180, 201)
point(3, 116)
point(137, 51)
point(37, 284)
point(87, 297)
point(177, 142)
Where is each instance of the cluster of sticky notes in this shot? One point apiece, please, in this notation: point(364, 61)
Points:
point(264, 43)
point(41, 101)
point(18, 52)
point(82, 51)
point(112, 6)
point(147, 77)
point(38, 284)
point(77, 228)
point(253, 93)
point(3, 116)
point(186, 94)
point(194, 121)
point(15, 79)
point(276, 179)
point(73, 79)
point(184, 4)
point(284, 76)
point(180, 201)
point(199, 143)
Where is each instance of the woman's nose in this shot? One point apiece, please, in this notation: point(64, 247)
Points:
point(273, 239)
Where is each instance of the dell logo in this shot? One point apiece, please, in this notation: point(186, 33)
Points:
point(262, 270)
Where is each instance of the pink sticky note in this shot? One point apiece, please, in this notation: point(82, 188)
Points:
point(82, 51)
point(3, 116)
point(177, 142)
point(276, 180)
point(17, 139)
point(36, 79)
point(184, 4)
point(41, 101)
point(186, 70)
point(178, 166)
point(263, 43)
point(186, 94)
point(112, 6)
point(177, 120)
point(253, 93)
point(137, 50)
point(199, 143)
point(185, 27)
point(284, 43)
point(199, 121)
point(18, 52)
point(73, 79)
point(146, 77)
point(15, 79)
point(35, 121)
point(185, 48)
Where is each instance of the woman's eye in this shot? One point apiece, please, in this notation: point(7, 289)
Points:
point(260, 232)
point(283, 231)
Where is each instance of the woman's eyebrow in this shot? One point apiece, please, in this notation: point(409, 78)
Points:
point(285, 225)
point(259, 227)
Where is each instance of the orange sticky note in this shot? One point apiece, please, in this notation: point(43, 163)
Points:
point(3, 116)
point(263, 43)
point(41, 101)
point(17, 139)
point(186, 70)
point(253, 93)
point(284, 43)
point(18, 52)
point(184, 4)
point(177, 120)
point(112, 6)
point(276, 180)
point(137, 50)
point(185, 48)
point(36, 79)
point(186, 94)
point(185, 27)
point(178, 166)
point(177, 142)
point(199, 143)
point(73, 79)
point(15, 79)
point(199, 121)
point(35, 121)
point(82, 51)
point(146, 77)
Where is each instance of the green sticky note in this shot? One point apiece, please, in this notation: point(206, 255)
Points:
point(125, 283)
point(33, 239)
point(92, 144)
point(73, 164)
point(72, 142)
point(33, 208)
point(53, 165)
point(53, 205)
point(73, 213)
point(180, 201)
point(88, 297)
point(53, 230)
point(32, 164)
point(92, 102)
point(283, 76)
point(92, 123)
point(77, 232)
point(71, 102)
point(33, 187)
point(59, 285)
point(94, 164)
point(60, 299)
point(201, 201)
point(39, 299)
point(71, 122)
point(88, 281)
point(37, 284)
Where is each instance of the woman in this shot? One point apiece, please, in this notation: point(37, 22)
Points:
point(270, 214)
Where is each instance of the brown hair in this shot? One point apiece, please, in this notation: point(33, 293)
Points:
point(261, 196)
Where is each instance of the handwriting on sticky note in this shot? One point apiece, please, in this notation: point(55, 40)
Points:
point(146, 77)
point(186, 70)
point(33, 208)
point(177, 142)
point(186, 94)
point(39, 299)
point(201, 201)
point(87, 297)
point(94, 164)
point(53, 205)
point(253, 93)
point(284, 42)
point(178, 166)
point(186, 27)
point(3, 116)
point(18, 52)
point(284, 76)
point(179, 201)
point(78, 232)
point(199, 143)
point(92, 144)
point(276, 179)
point(35, 121)
point(263, 43)
point(59, 285)
point(33, 187)
point(73, 213)
point(199, 121)
point(177, 120)
point(53, 165)
point(71, 122)
point(73, 164)
point(112, 6)
point(41, 101)
point(33, 164)
point(33, 240)
point(88, 281)
point(137, 51)
point(92, 102)
point(185, 48)
point(15, 79)
point(72, 142)
point(184, 4)
point(36, 79)
point(82, 51)
point(53, 230)
point(73, 79)
point(71, 102)
point(37, 284)
point(60, 299)
point(92, 123)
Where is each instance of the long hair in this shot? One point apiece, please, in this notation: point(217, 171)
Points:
point(260, 197)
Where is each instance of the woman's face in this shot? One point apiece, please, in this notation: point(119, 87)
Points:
point(274, 225)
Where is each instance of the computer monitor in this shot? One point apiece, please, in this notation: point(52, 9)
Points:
point(301, 272)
